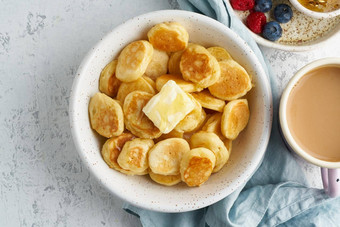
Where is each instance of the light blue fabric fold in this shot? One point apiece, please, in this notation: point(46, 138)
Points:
point(278, 192)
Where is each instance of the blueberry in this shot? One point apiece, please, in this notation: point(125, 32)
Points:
point(272, 31)
point(263, 5)
point(283, 13)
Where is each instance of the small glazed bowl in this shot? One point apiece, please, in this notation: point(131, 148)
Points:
point(330, 171)
point(312, 13)
point(141, 191)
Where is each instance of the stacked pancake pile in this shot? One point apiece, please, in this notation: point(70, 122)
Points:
point(170, 108)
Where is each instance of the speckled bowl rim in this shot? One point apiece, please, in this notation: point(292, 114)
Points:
point(292, 48)
point(266, 121)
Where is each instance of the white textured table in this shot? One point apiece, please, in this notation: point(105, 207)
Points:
point(42, 179)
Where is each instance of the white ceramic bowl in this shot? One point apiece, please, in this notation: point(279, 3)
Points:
point(248, 149)
point(312, 13)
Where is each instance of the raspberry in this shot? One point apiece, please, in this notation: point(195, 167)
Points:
point(242, 4)
point(256, 21)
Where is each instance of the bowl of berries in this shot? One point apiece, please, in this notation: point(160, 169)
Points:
point(279, 24)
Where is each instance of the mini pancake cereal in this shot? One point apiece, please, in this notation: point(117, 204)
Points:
point(136, 121)
point(170, 108)
point(111, 150)
point(193, 119)
point(158, 65)
point(133, 60)
point(212, 142)
point(168, 36)
point(213, 124)
point(186, 86)
point(233, 83)
point(134, 156)
point(106, 115)
point(219, 53)
point(209, 101)
point(141, 84)
point(197, 166)
point(167, 180)
point(108, 82)
point(166, 155)
point(173, 64)
point(235, 118)
point(199, 66)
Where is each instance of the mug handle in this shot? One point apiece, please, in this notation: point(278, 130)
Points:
point(331, 181)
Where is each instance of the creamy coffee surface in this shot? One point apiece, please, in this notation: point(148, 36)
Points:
point(313, 113)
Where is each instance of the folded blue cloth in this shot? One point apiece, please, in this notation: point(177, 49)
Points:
point(278, 193)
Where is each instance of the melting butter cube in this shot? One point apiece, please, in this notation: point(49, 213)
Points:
point(168, 107)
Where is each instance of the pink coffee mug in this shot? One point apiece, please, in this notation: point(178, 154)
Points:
point(330, 171)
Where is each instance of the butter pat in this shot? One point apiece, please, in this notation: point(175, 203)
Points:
point(168, 107)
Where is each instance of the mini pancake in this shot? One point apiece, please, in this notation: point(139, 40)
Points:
point(173, 64)
point(141, 84)
point(151, 82)
point(228, 144)
point(134, 156)
point(167, 180)
point(172, 134)
point(235, 118)
point(108, 82)
point(186, 86)
point(135, 119)
point(199, 66)
point(213, 124)
point(212, 142)
point(168, 36)
point(106, 115)
point(111, 150)
point(233, 83)
point(192, 120)
point(219, 53)
point(209, 101)
point(197, 166)
point(158, 65)
point(166, 155)
point(133, 60)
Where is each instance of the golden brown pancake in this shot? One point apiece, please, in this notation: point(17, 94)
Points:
point(111, 150)
point(192, 120)
point(167, 180)
point(213, 124)
point(166, 155)
point(197, 166)
point(134, 156)
point(173, 64)
point(158, 65)
point(209, 101)
point(233, 83)
point(135, 119)
point(199, 66)
point(106, 115)
point(212, 142)
point(219, 53)
point(235, 118)
point(168, 36)
point(141, 84)
point(133, 60)
point(186, 86)
point(108, 82)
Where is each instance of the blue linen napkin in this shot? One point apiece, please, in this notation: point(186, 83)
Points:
point(278, 193)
